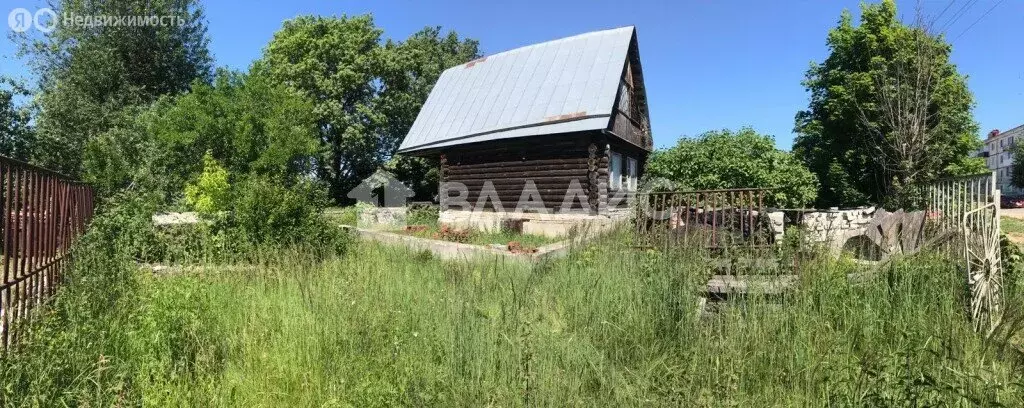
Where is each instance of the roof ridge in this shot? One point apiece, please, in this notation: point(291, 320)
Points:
point(549, 42)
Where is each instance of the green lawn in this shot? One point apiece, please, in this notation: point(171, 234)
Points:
point(606, 326)
point(1011, 225)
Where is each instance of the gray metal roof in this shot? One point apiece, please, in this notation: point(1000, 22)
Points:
point(559, 86)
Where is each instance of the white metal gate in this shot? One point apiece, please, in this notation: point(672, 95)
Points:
point(967, 208)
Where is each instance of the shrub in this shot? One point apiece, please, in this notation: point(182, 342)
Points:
point(267, 212)
point(743, 159)
point(422, 215)
point(210, 192)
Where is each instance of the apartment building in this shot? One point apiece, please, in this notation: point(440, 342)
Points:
point(999, 159)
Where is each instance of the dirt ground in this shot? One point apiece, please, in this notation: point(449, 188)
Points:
point(1013, 213)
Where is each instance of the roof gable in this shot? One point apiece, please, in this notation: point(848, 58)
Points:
point(558, 86)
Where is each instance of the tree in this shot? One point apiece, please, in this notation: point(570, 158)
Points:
point(415, 66)
point(1017, 169)
point(744, 159)
point(91, 75)
point(246, 122)
point(887, 111)
point(16, 134)
point(365, 94)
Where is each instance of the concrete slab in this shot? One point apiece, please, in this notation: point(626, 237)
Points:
point(465, 252)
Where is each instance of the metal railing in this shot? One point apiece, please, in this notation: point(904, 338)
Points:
point(717, 220)
point(968, 210)
point(43, 212)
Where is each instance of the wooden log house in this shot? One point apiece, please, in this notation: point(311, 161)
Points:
point(565, 118)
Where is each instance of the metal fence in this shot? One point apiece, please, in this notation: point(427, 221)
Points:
point(966, 210)
point(43, 212)
point(715, 220)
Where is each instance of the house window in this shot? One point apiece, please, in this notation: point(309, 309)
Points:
point(615, 172)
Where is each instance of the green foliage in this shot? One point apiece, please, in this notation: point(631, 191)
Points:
point(743, 159)
point(267, 211)
point(210, 193)
point(1017, 170)
point(246, 122)
point(842, 136)
point(365, 94)
point(112, 333)
point(422, 215)
point(17, 138)
point(89, 75)
point(342, 215)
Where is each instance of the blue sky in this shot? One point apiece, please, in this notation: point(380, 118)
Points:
point(708, 64)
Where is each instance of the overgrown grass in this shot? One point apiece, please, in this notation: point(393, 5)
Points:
point(483, 237)
point(383, 326)
point(342, 215)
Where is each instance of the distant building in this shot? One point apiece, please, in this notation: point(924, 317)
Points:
point(999, 159)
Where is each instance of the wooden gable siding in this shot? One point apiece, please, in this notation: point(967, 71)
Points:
point(553, 162)
point(630, 120)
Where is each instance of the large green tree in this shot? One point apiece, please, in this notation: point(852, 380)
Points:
point(887, 110)
point(743, 159)
point(91, 76)
point(366, 92)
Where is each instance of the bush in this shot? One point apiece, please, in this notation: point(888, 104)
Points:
point(423, 215)
point(210, 192)
point(743, 159)
point(266, 212)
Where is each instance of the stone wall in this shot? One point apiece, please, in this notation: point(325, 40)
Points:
point(835, 227)
point(381, 218)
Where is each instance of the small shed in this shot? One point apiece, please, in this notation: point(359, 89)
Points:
point(552, 133)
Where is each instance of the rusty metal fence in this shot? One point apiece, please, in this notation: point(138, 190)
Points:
point(43, 212)
point(715, 220)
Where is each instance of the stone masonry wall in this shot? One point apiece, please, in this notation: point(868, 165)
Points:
point(832, 228)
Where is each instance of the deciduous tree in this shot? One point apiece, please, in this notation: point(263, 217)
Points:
point(366, 93)
point(91, 75)
point(247, 122)
point(16, 134)
point(887, 111)
point(1017, 170)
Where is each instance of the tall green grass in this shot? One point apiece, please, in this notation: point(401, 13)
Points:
point(608, 326)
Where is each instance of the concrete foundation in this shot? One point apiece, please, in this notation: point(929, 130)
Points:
point(468, 252)
point(549, 225)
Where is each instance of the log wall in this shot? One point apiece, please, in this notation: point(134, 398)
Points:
point(552, 162)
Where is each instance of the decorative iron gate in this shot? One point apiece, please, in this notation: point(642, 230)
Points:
point(967, 208)
point(43, 212)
